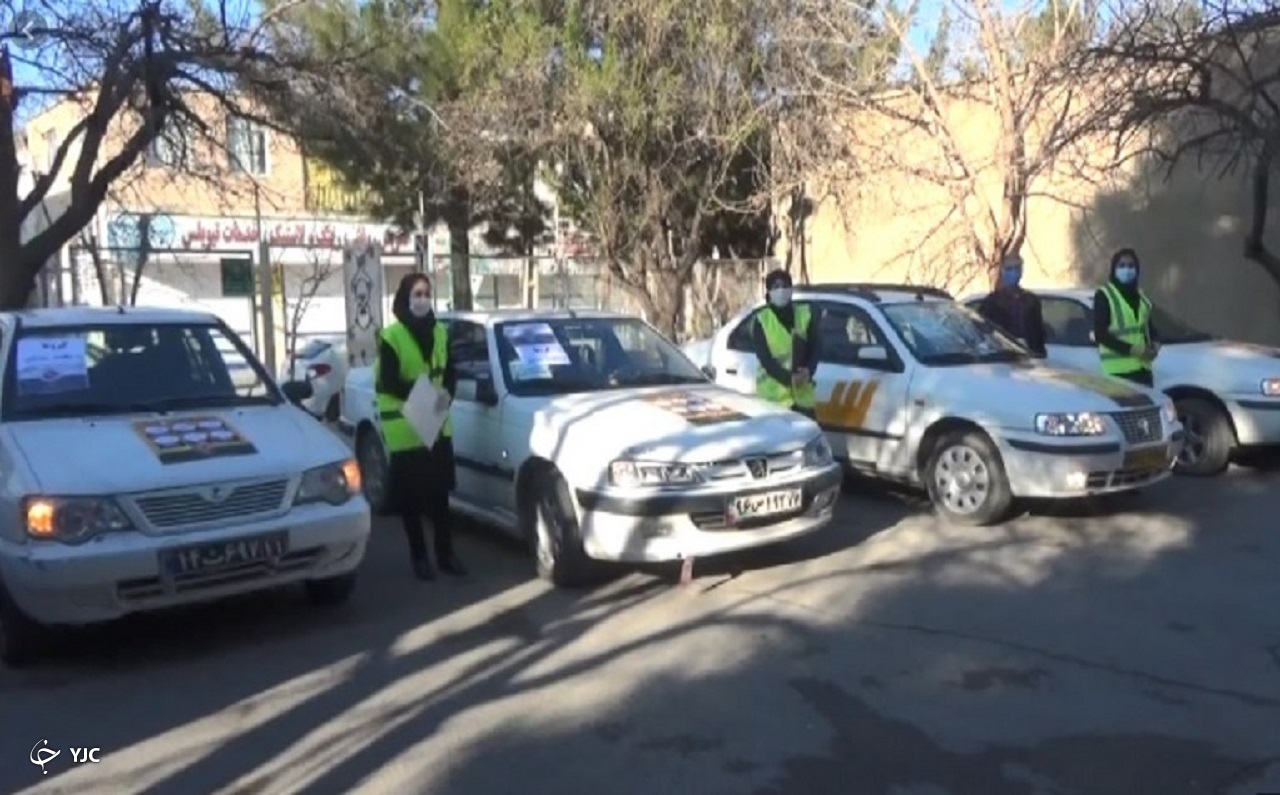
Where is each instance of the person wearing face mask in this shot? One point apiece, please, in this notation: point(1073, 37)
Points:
point(1127, 343)
point(1015, 310)
point(786, 347)
point(421, 473)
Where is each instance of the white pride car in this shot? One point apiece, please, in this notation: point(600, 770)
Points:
point(1227, 393)
point(591, 437)
point(140, 474)
point(914, 387)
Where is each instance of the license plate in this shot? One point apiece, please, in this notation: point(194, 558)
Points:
point(1147, 458)
point(222, 555)
point(770, 503)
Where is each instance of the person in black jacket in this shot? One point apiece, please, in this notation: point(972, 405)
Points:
point(421, 478)
point(1014, 310)
point(805, 353)
point(1138, 355)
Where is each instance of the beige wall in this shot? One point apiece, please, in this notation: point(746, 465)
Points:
point(884, 223)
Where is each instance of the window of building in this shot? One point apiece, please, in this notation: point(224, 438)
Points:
point(51, 144)
point(246, 146)
point(170, 149)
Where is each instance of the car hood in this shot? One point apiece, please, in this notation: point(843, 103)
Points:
point(697, 423)
point(1222, 365)
point(111, 455)
point(1010, 395)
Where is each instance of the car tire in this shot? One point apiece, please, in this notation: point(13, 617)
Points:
point(330, 591)
point(1208, 428)
point(966, 479)
point(22, 640)
point(375, 471)
point(554, 534)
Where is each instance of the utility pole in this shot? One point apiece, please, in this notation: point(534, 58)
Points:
point(266, 281)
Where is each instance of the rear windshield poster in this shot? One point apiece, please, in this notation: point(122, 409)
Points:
point(695, 409)
point(192, 439)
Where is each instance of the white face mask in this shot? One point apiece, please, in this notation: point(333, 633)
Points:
point(419, 307)
point(1127, 275)
point(780, 296)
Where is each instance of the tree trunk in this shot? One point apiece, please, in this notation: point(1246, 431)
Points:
point(459, 221)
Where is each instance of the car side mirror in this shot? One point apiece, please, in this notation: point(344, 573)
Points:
point(873, 353)
point(297, 391)
point(486, 392)
point(708, 371)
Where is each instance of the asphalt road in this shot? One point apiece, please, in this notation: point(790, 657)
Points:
point(1117, 654)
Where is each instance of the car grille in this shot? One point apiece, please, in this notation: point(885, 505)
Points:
point(1140, 426)
point(747, 467)
point(186, 507)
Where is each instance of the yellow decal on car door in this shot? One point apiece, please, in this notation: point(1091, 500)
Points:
point(848, 405)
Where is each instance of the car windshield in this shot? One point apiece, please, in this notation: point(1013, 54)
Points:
point(124, 368)
point(1171, 331)
point(564, 355)
point(944, 333)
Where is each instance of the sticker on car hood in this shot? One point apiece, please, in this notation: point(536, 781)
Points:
point(192, 439)
point(1123, 395)
point(695, 409)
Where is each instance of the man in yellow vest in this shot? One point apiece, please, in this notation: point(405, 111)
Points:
point(421, 473)
point(786, 345)
point(1127, 343)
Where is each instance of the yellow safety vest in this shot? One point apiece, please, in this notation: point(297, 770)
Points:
point(397, 433)
point(1127, 326)
point(781, 344)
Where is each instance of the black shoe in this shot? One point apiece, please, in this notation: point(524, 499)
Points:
point(450, 564)
point(423, 570)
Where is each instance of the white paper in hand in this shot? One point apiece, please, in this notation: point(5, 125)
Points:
point(426, 410)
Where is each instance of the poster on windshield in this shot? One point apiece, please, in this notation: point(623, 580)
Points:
point(49, 365)
point(695, 409)
point(536, 345)
point(192, 439)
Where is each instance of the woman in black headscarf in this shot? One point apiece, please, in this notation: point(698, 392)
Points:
point(1127, 341)
point(421, 475)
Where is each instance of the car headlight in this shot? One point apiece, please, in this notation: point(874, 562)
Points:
point(332, 483)
point(817, 453)
point(73, 520)
point(645, 473)
point(1169, 413)
point(1271, 387)
point(1084, 423)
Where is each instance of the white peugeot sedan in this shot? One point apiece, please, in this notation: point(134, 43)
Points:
point(1227, 393)
point(591, 437)
point(321, 362)
point(141, 476)
point(914, 387)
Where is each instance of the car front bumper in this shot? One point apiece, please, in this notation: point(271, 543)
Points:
point(1256, 419)
point(632, 528)
point(1044, 468)
point(116, 574)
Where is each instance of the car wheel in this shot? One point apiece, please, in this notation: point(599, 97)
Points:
point(1209, 438)
point(333, 411)
point(967, 481)
point(375, 480)
point(330, 591)
point(554, 535)
point(22, 640)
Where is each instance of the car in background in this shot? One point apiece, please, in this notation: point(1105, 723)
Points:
point(592, 438)
point(322, 362)
point(1227, 394)
point(914, 387)
point(142, 475)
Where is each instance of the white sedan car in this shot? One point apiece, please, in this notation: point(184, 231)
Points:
point(591, 437)
point(914, 387)
point(321, 362)
point(1227, 393)
point(140, 474)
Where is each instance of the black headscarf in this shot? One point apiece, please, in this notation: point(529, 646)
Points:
point(422, 328)
point(1129, 291)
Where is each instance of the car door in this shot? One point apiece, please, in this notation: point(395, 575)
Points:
point(862, 389)
point(483, 478)
point(1068, 331)
point(735, 362)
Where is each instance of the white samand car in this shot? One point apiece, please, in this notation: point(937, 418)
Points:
point(914, 387)
point(1227, 393)
point(142, 477)
point(591, 437)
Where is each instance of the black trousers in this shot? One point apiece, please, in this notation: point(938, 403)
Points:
point(1143, 377)
point(441, 530)
point(421, 480)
